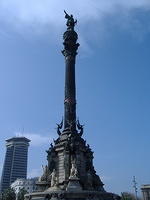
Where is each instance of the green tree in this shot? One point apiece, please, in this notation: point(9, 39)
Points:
point(9, 194)
point(21, 194)
point(128, 196)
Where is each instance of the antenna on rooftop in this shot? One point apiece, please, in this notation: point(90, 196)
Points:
point(20, 132)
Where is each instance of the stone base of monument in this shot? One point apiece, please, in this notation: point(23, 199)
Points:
point(74, 184)
point(72, 195)
point(55, 188)
point(41, 186)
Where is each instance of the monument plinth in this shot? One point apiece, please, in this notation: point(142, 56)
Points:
point(70, 173)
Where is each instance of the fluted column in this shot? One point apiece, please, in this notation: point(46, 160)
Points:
point(70, 51)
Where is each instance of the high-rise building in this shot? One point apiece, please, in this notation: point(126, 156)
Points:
point(15, 163)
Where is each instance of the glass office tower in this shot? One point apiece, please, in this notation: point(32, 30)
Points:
point(15, 163)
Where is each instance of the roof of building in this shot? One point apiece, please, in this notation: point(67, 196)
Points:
point(146, 186)
point(18, 139)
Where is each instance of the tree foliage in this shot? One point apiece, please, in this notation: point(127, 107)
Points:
point(129, 196)
point(9, 194)
point(21, 194)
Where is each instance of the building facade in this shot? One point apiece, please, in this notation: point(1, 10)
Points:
point(146, 191)
point(27, 184)
point(15, 163)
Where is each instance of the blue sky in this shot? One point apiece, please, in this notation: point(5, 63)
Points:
point(112, 74)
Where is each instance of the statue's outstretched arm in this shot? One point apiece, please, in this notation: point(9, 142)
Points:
point(66, 14)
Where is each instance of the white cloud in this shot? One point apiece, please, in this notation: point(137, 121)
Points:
point(36, 139)
point(34, 173)
point(40, 17)
point(39, 12)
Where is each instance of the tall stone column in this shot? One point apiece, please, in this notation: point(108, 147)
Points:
point(70, 174)
point(70, 51)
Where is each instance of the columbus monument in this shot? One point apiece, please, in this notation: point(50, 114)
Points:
point(69, 173)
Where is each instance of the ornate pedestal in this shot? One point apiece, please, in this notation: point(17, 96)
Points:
point(74, 185)
point(73, 195)
point(73, 176)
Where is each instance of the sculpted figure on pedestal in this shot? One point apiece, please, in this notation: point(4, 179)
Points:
point(59, 127)
point(80, 127)
point(70, 21)
point(74, 170)
point(53, 178)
